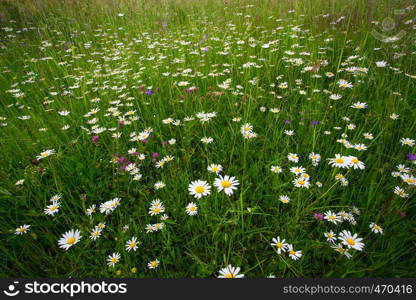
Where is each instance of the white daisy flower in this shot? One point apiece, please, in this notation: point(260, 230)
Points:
point(330, 236)
point(295, 255)
point(22, 229)
point(281, 245)
point(214, 168)
point(284, 199)
point(226, 183)
point(153, 264)
point(376, 228)
point(230, 272)
point(340, 161)
point(191, 209)
point(332, 217)
point(132, 244)
point(351, 241)
point(45, 154)
point(113, 259)
point(276, 169)
point(199, 188)
point(69, 239)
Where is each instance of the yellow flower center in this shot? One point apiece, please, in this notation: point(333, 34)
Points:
point(292, 252)
point(350, 242)
point(301, 182)
point(279, 245)
point(199, 189)
point(53, 208)
point(332, 217)
point(113, 259)
point(226, 184)
point(132, 244)
point(229, 275)
point(339, 160)
point(71, 240)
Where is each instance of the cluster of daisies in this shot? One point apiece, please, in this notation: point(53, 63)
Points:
point(115, 257)
point(156, 208)
point(302, 179)
point(53, 208)
point(405, 174)
point(72, 237)
point(345, 241)
point(161, 163)
point(282, 246)
point(341, 216)
point(344, 238)
point(247, 131)
point(201, 188)
point(128, 167)
point(346, 162)
point(156, 226)
point(109, 206)
point(96, 232)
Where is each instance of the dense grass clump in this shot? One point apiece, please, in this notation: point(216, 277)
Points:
point(176, 138)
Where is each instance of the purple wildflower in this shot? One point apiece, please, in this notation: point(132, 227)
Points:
point(95, 139)
point(318, 216)
point(411, 156)
point(121, 159)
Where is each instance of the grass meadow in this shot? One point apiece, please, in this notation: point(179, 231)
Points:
point(207, 138)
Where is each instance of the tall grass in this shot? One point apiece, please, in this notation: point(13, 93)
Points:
point(97, 47)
